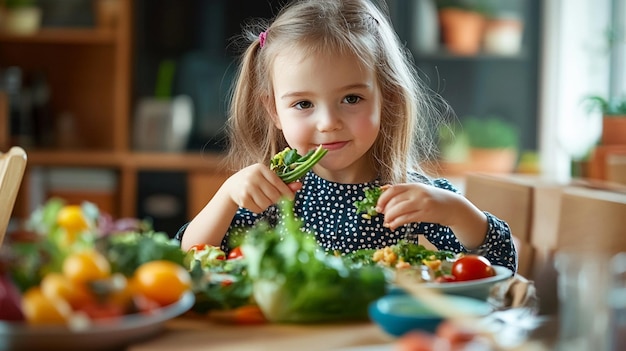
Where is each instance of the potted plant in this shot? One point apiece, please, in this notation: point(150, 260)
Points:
point(21, 16)
point(487, 144)
point(613, 118)
point(462, 24)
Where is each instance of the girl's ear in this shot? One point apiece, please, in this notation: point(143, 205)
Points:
point(270, 107)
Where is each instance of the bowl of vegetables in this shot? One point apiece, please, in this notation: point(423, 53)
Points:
point(74, 279)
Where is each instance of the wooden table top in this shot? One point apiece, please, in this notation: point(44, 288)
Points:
point(189, 333)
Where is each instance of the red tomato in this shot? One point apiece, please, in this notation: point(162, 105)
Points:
point(198, 247)
point(235, 253)
point(106, 310)
point(446, 278)
point(472, 267)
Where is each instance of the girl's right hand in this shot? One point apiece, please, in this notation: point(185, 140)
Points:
point(256, 187)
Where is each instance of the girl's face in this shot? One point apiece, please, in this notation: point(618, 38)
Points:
point(333, 101)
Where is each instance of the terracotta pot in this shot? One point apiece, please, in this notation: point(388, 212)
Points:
point(614, 130)
point(462, 30)
point(484, 160)
point(493, 160)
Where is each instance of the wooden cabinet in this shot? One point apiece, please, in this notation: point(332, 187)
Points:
point(89, 74)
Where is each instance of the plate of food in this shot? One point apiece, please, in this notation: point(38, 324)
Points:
point(477, 288)
point(447, 272)
point(105, 334)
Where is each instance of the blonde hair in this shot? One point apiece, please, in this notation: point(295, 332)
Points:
point(354, 27)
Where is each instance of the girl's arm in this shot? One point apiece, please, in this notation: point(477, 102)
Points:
point(407, 203)
point(255, 188)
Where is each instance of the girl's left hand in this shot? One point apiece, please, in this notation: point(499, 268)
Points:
point(407, 203)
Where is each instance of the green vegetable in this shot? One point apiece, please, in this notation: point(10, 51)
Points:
point(290, 166)
point(218, 284)
point(295, 280)
point(408, 252)
point(368, 204)
point(127, 251)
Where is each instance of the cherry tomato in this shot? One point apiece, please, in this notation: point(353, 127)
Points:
point(250, 314)
point(103, 310)
point(471, 267)
point(57, 285)
point(84, 266)
point(446, 278)
point(162, 281)
point(235, 253)
point(39, 309)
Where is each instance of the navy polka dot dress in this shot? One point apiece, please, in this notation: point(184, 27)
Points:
point(327, 209)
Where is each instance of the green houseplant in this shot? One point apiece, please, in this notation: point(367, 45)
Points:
point(613, 118)
point(487, 144)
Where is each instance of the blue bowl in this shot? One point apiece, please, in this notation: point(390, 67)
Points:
point(398, 314)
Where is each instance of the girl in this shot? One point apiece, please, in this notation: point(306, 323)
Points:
point(333, 72)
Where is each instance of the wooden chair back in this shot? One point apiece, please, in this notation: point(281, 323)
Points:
point(12, 166)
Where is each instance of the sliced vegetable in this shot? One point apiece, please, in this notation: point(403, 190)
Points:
point(235, 253)
point(291, 166)
point(368, 204)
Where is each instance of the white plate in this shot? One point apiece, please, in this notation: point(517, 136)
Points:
point(478, 288)
point(103, 336)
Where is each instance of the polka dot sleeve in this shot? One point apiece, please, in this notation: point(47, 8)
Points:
point(497, 247)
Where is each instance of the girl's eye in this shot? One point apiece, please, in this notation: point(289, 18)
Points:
point(352, 99)
point(303, 105)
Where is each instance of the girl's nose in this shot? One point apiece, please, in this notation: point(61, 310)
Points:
point(328, 120)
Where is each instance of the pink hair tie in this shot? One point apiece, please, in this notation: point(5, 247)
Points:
point(262, 37)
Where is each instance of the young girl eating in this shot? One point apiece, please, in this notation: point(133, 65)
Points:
point(334, 73)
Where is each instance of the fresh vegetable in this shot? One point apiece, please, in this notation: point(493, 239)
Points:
point(294, 280)
point(219, 284)
point(72, 262)
point(470, 267)
point(244, 315)
point(128, 251)
point(291, 166)
point(403, 251)
point(41, 309)
point(162, 281)
point(235, 253)
point(84, 266)
point(10, 300)
point(368, 204)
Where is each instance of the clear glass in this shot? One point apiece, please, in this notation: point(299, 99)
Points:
point(617, 302)
point(583, 290)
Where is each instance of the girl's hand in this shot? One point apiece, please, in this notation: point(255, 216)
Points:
point(408, 203)
point(256, 188)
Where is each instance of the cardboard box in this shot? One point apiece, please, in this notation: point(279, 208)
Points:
point(592, 219)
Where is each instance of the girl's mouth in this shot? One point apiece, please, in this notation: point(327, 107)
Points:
point(335, 145)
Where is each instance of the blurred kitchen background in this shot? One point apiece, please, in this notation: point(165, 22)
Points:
point(122, 102)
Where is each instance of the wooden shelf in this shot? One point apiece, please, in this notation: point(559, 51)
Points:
point(139, 161)
point(62, 36)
